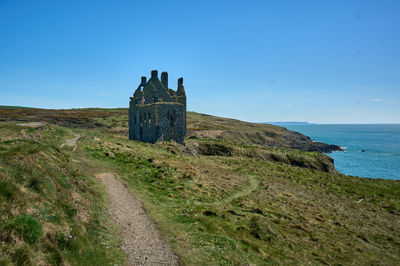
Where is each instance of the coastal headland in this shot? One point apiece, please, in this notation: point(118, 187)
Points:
point(235, 193)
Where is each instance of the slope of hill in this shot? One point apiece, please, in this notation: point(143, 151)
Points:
point(198, 125)
point(219, 199)
point(235, 131)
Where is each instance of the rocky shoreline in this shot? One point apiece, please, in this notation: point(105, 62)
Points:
point(302, 142)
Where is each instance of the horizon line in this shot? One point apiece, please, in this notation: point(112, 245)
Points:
point(270, 122)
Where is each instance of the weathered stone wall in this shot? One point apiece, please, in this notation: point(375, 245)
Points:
point(157, 113)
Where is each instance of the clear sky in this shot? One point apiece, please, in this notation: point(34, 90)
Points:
point(318, 61)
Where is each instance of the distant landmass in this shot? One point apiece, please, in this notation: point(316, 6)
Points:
point(14, 107)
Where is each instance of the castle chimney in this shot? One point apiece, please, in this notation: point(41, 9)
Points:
point(164, 79)
point(181, 89)
point(180, 81)
point(143, 82)
point(154, 74)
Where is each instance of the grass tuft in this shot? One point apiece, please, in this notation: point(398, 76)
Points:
point(8, 190)
point(23, 256)
point(27, 227)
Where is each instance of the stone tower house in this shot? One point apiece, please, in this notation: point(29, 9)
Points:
point(157, 113)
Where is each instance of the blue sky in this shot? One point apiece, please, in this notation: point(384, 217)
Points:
point(318, 61)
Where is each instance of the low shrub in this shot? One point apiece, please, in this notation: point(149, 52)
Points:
point(217, 149)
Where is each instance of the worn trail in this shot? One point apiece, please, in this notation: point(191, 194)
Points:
point(72, 142)
point(140, 238)
point(252, 186)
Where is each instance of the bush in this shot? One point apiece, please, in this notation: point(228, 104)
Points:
point(216, 149)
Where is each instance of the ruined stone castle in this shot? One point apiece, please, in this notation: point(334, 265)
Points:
point(157, 113)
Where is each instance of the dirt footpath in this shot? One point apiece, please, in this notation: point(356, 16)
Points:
point(140, 238)
point(72, 142)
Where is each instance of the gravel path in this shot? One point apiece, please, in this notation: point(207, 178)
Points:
point(140, 238)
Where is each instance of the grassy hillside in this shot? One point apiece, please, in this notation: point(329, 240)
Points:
point(216, 200)
point(239, 132)
point(51, 212)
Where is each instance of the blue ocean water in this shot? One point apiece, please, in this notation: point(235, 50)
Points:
point(381, 143)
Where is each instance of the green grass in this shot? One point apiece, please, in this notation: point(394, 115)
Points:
point(26, 226)
point(7, 190)
point(51, 212)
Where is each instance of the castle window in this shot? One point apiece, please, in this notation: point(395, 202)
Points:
point(134, 120)
point(171, 117)
point(149, 116)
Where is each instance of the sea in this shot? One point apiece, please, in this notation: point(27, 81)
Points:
point(370, 150)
